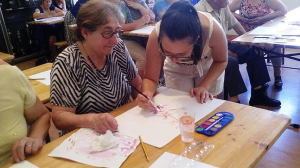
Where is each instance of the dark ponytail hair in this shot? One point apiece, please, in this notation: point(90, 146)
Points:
point(181, 21)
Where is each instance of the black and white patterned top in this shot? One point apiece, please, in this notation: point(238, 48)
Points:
point(75, 84)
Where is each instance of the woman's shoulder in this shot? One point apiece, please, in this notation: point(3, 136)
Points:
point(69, 55)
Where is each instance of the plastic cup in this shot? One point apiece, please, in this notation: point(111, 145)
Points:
point(187, 124)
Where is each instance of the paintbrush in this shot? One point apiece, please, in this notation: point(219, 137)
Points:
point(152, 102)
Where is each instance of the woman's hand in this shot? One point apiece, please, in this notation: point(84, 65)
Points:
point(142, 101)
point(26, 145)
point(202, 95)
point(144, 20)
point(104, 122)
point(256, 20)
point(134, 4)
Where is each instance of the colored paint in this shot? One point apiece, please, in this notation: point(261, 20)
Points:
point(218, 120)
point(229, 117)
point(215, 117)
point(207, 123)
point(218, 125)
point(204, 125)
point(221, 122)
point(214, 129)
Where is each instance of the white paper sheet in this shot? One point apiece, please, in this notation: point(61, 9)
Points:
point(274, 40)
point(159, 129)
point(77, 148)
point(145, 30)
point(45, 74)
point(24, 164)
point(277, 31)
point(48, 20)
point(164, 160)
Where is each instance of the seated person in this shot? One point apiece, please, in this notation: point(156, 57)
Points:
point(48, 32)
point(60, 4)
point(255, 13)
point(20, 107)
point(70, 19)
point(194, 45)
point(93, 76)
point(137, 14)
point(256, 67)
point(160, 7)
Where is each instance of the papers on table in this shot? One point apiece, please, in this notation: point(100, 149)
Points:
point(23, 164)
point(159, 129)
point(164, 160)
point(44, 76)
point(77, 148)
point(277, 31)
point(145, 30)
point(273, 39)
point(49, 20)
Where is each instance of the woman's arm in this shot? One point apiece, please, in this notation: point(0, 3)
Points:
point(279, 10)
point(64, 7)
point(38, 117)
point(152, 71)
point(58, 12)
point(235, 6)
point(38, 15)
point(136, 83)
point(145, 11)
point(65, 118)
point(134, 25)
point(218, 44)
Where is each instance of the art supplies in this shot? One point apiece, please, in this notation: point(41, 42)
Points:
point(144, 149)
point(165, 123)
point(157, 108)
point(215, 123)
point(77, 148)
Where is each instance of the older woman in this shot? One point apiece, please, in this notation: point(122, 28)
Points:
point(255, 13)
point(19, 107)
point(93, 76)
point(195, 48)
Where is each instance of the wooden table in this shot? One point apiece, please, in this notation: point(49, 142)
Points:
point(242, 143)
point(143, 34)
point(42, 90)
point(247, 39)
point(6, 57)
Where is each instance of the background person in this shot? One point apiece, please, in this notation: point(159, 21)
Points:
point(256, 67)
point(137, 14)
point(255, 13)
point(47, 33)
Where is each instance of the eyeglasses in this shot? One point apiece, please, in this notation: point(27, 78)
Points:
point(182, 60)
point(109, 34)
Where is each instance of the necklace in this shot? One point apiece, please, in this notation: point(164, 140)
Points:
point(90, 60)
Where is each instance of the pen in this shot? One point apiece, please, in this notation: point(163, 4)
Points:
point(144, 149)
point(152, 103)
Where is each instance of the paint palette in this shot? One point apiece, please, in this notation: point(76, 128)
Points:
point(215, 123)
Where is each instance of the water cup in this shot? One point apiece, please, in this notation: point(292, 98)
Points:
point(187, 124)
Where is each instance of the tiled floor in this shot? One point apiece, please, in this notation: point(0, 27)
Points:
point(286, 151)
